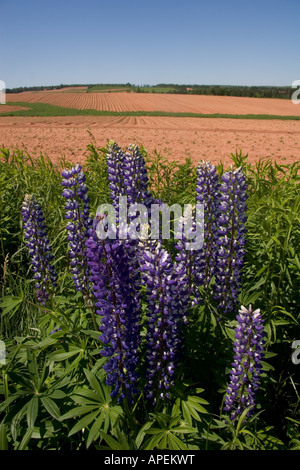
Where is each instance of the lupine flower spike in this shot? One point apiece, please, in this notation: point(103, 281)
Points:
point(200, 263)
point(117, 302)
point(165, 318)
point(185, 260)
point(247, 364)
point(136, 178)
point(230, 240)
point(39, 247)
point(79, 221)
point(115, 167)
point(207, 194)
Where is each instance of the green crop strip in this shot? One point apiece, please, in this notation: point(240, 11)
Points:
point(48, 110)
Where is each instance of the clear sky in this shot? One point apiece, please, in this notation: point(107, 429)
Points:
point(230, 42)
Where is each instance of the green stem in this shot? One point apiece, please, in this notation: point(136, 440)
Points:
point(129, 415)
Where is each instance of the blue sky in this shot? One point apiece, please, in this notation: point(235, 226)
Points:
point(148, 42)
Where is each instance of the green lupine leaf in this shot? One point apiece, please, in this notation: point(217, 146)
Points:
point(9, 303)
point(95, 384)
point(21, 380)
point(62, 356)
point(95, 429)
point(141, 434)
point(32, 411)
point(153, 442)
point(183, 429)
point(83, 422)
point(3, 437)
point(78, 411)
point(111, 442)
point(186, 411)
point(175, 443)
point(26, 438)
point(195, 403)
point(51, 407)
point(155, 431)
point(45, 429)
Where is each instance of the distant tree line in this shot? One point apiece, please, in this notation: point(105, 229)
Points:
point(40, 88)
point(231, 90)
point(248, 91)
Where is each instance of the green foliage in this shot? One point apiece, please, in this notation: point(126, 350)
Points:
point(53, 387)
point(45, 110)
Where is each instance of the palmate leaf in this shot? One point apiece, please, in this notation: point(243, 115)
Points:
point(96, 428)
point(83, 422)
point(141, 434)
point(120, 443)
point(266, 440)
point(102, 393)
point(191, 407)
point(167, 435)
point(174, 443)
point(96, 408)
point(166, 439)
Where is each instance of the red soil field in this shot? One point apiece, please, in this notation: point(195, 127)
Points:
point(174, 137)
point(160, 102)
point(7, 108)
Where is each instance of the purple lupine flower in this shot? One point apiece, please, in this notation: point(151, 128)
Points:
point(136, 178)
point(165, 318)
point(207, 189)
point(230, 240)
point(39, 247)
point(118, 303)
point(127, 174)
point(115, 167)
point(186, 260)
point(77, 213)
point(200, 263)
point(247, 364)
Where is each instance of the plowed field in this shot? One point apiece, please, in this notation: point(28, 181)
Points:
point(160, 102)
point(175, 137)
point(7, 108)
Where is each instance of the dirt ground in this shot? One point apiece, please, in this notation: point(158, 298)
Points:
point(174, 137)
point(7, 108)
point(160, 102)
